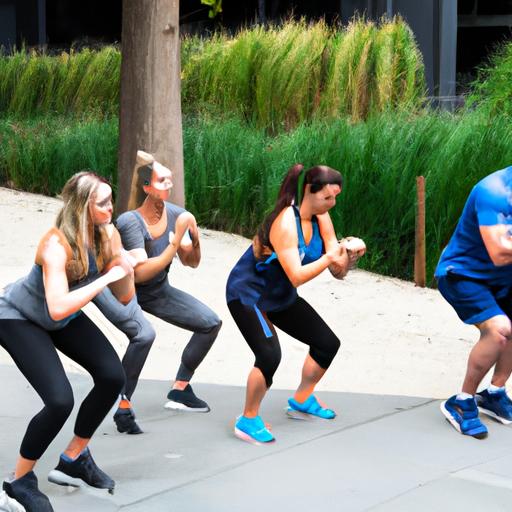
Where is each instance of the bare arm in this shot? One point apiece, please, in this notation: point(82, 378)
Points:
point(152, 266)
point(340, 267)
point(498, 243)
point(62, 302)
point(283, 237)
point(123, 289)
point(190, 248)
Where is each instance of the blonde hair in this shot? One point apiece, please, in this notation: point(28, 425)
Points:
point(142, 174)
point(74, 221)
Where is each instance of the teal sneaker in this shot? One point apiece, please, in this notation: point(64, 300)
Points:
point(309, 409)
point(253, 430)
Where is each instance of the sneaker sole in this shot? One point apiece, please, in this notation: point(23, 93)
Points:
point(455, 425)
point(129, 431)
point(9, 503)
point(304, 416)
point(248, 439)
point(58, 477)
point(177, 406)
point(494, 416)
point(301, 416)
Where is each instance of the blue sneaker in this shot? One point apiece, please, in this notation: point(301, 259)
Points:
point(253, 430)
point(497, 405)
point(308, 409)
point(463, 415)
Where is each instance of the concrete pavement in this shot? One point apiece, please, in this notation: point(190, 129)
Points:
point(382, 453)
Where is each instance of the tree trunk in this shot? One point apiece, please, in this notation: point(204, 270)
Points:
point(150, 108)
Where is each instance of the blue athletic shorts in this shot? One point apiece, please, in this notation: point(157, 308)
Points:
point(476, 301)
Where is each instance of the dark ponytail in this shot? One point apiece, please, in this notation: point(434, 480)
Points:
point(291, 192)
point(286, 197)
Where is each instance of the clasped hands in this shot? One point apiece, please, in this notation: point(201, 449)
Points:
point(186, 231)
point(351, 248)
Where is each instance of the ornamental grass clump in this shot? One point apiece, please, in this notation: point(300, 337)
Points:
point(288, 85)
point(11, 69)
point(99, 87)
point(275, 77)
point(33, 84)
point(39, 155)
point(491, 92)
point(200, 78)
point(75, 65)
point(279, 77)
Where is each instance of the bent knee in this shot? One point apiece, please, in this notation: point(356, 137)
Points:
point(499, 329)
point(268, 365)
point(145, 336)
point(112, 381)
point(60, 406)
point(325, 352)
point(211, 325)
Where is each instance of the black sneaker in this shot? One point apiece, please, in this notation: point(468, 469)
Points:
point(81, 471)
point(25, 491)
point(125, 422)
point(185, 400)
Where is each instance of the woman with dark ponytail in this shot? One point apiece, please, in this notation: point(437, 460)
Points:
point(295, 243)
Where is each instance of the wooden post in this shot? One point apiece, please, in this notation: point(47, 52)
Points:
point(150, 108)
point(420, 277)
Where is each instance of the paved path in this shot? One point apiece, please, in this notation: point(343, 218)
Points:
point(382, 453)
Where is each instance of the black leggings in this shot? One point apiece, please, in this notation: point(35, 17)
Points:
point(34, 351)
point(300, 320)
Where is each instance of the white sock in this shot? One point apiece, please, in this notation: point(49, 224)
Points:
point(464, 396)
point(494, 389)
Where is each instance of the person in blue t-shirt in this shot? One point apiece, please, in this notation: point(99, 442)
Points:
point(474, 275)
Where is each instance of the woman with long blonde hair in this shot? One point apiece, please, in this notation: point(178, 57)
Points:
point(41, 313)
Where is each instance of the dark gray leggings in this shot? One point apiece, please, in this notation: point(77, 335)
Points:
point(181, 309)
point(131, 321)
point(34, 351)
point(169, 304)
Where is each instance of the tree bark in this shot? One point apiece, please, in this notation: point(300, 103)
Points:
point(150, 107)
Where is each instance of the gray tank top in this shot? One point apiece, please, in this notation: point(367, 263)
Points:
point(135, 235)
point(25, 298)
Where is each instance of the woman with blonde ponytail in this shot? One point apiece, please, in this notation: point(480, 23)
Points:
point(295, 243)
point(41, 313)
point(163, 230)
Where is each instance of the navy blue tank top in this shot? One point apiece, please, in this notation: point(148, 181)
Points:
point(264, 283)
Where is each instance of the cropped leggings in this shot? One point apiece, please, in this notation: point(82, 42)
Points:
point(300, 321)
point(34, 351)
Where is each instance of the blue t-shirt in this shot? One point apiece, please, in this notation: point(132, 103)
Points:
point(488, 204)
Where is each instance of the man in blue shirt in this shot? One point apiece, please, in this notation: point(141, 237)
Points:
point(474, 275)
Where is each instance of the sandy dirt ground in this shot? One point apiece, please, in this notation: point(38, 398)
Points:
point(396, 338)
